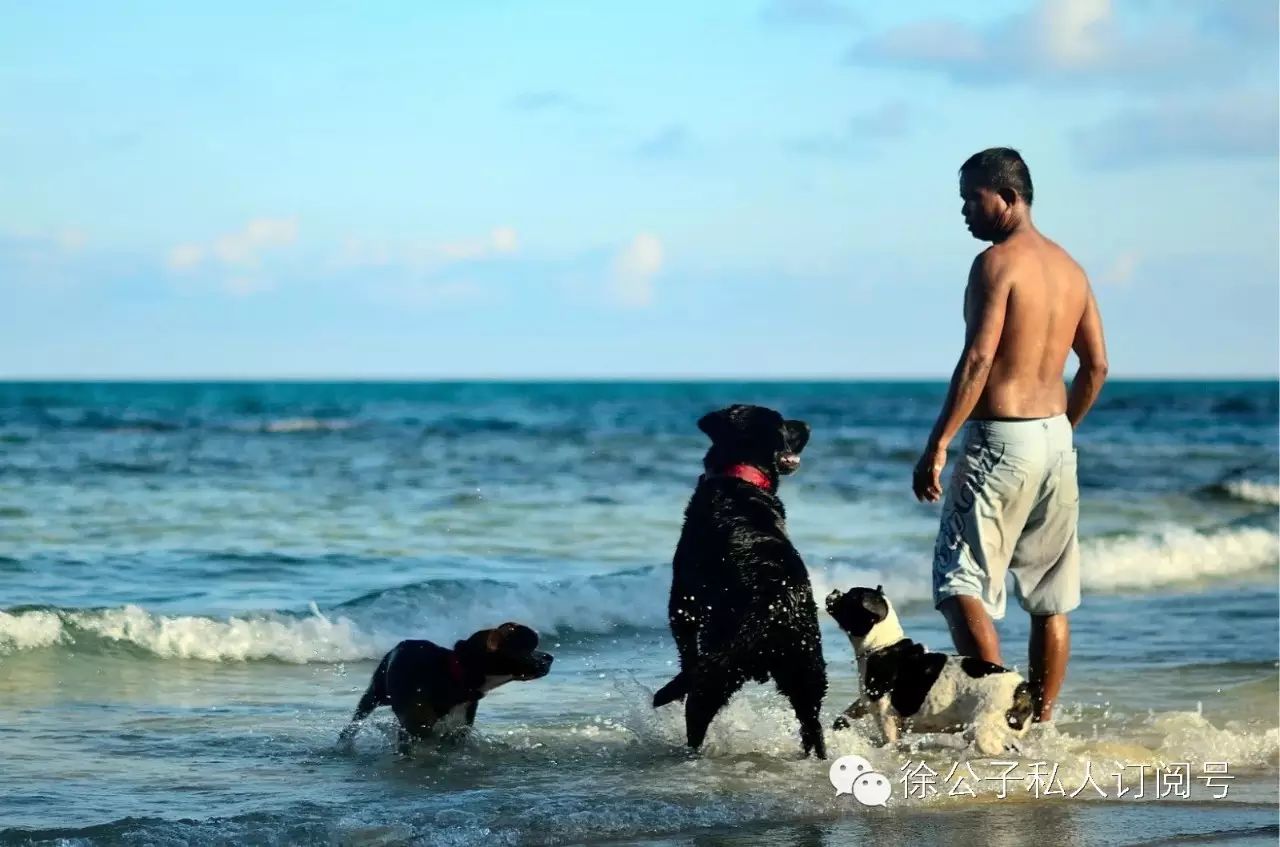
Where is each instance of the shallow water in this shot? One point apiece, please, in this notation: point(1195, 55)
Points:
point(197, 580)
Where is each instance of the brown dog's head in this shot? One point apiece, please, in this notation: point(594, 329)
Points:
point(756, 436)
point(507, 651)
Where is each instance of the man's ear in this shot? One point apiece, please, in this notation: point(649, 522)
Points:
point(1008, 195)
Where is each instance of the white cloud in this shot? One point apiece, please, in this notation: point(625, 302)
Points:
point(238, 254)
point(1088, 42)
point(1227, 127)
point(241, 249)
point(186, 256)
point(634, 269)
point(1121, 270)
point(429, 256)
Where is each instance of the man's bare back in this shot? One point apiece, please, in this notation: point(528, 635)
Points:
point(1048, 296)
point(1027, 305)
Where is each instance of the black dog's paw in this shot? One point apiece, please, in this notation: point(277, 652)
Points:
point(840, 723)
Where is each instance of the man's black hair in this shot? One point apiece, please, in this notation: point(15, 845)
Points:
point(997, 168)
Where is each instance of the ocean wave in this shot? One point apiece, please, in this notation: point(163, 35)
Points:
point(1250, 491)
point(288, 425)
point(285, 638)
point(445, 610)
point(1176, 556)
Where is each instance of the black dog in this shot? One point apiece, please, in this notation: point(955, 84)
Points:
point(741, 606)
point(423, 682)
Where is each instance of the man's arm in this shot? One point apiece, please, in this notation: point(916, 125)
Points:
point(986, 299)
point(1091, 349)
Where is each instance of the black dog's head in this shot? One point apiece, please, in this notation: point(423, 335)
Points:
point(756, 436)
point(509, 650)
point(858, 610)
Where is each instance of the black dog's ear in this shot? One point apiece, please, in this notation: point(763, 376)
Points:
point(874, 602)
point(880, 589)
point(723, 424)
point(797, 435)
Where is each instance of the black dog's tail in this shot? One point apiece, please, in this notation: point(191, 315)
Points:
point(374, 696)
point(672, 691)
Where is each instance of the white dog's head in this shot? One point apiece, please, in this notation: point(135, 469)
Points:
point(867, 617)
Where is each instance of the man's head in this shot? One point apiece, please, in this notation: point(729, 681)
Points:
point(995, 186)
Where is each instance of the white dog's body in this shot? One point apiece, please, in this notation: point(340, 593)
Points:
point(909, 688)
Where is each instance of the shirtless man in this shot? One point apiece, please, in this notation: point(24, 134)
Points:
point(1013, 501)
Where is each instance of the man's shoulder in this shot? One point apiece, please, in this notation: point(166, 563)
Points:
point(991, 264)
point(999, 259)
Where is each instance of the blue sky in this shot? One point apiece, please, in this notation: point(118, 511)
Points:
point(525, 189)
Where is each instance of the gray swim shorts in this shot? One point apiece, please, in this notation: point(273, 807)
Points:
point(1012, 506)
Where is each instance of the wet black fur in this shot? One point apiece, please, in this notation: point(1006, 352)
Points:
point(741, 606)
point(417, 681)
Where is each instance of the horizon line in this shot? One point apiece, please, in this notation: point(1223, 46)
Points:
point(635, 378)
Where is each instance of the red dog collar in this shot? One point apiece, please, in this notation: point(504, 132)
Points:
point(750, 474)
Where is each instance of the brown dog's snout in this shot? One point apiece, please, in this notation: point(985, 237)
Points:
point(541, 663)
point(833, 598)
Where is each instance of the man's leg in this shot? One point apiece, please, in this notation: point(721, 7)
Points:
point(972, 629)
point(1050, 649)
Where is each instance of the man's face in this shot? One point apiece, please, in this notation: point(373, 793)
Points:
point(984, 210)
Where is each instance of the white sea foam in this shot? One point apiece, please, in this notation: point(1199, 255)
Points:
point(1177, 555)
point(29, 630)
point(308, 639)
point(1253, 492)
point(307, 425)
point(445, 611)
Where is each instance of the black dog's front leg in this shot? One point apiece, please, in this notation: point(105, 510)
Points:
point(407, 735)
point(857, 710)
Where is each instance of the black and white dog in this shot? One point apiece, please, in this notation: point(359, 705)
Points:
point(741, 606)
point(908, 688)
point(424, 683)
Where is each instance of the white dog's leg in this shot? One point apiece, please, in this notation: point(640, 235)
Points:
point(888, 718)
point(990, 734)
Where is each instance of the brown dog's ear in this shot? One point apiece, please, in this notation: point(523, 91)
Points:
point(512, 636)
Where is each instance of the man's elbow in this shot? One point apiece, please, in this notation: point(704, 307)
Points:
point(1098, 369)
point(978, 362)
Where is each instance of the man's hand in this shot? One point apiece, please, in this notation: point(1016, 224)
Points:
point(926, 480)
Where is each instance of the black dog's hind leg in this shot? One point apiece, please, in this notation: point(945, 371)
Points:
point(374, 696)
point(709, 691)
point(805, 686)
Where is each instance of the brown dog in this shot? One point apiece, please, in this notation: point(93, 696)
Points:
point(423, 682)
